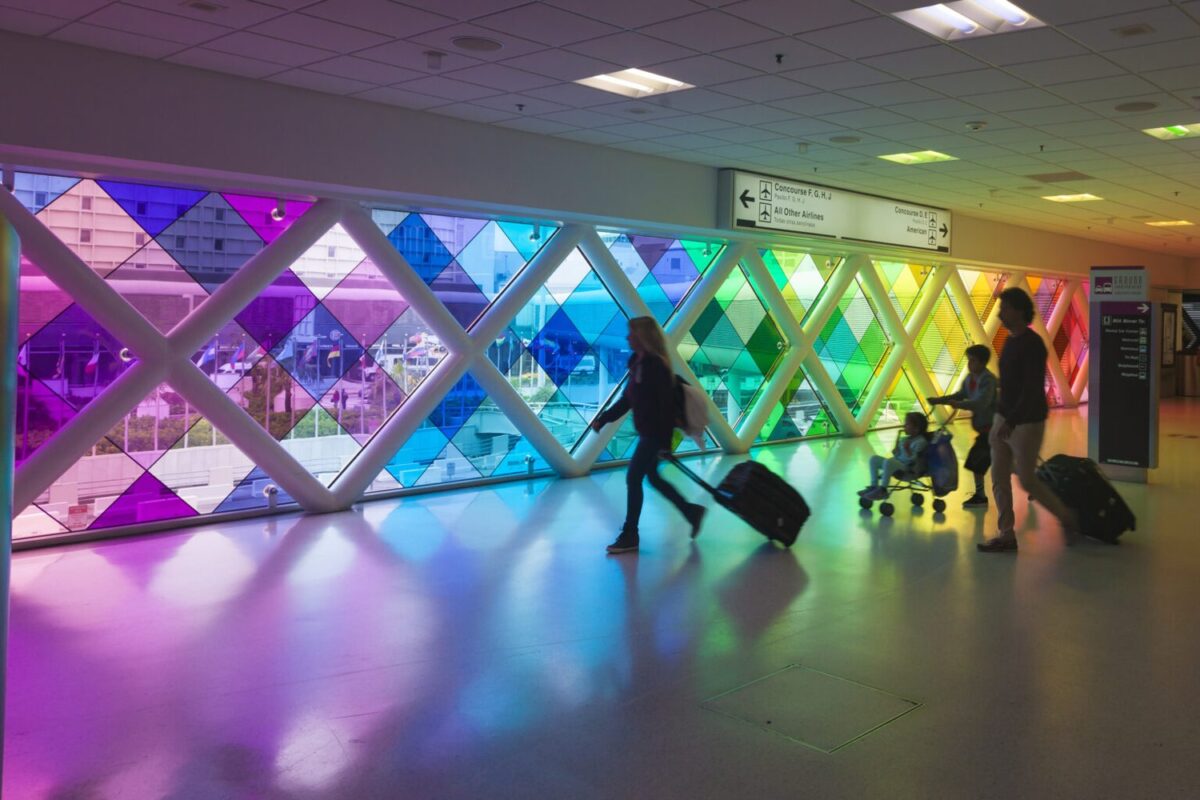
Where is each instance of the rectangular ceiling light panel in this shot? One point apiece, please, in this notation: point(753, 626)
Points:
point(634, 83)
point(1171, 223)
point(1071, 198)
point(969, 19)
point(919, 157)
point(1171, 132)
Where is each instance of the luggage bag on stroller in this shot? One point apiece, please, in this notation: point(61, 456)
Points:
point(1081, 485)
point(760, 497)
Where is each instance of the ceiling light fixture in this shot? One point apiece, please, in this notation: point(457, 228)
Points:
point(1070, 198)
point(918, 157)
point(845, 139)
point(1170, 223)
point(1170, 132)
point(969, 18)
point(634, 83)
point(279, 212)
point(1136, 105)
point(476, 44)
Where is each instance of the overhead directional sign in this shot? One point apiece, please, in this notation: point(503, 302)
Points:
point(749, 200)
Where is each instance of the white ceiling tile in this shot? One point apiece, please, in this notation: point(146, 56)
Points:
point(320, 82)
point(966, 84)
point(443, 39)
point(593, 137)
point(937, 109)
point(630, 13)
point(382, 16)
point(640, 130)
point(906, 131)
point(225, 62)
point(64, 9)
point(29, 23)
point(870, 37)
point(412, 55)
point(134, 20)
point(703, 70)
point(1015, 100)
point(692, 141)
point(924, 62)
point(580, 118)
point(449, 89)
point(791, 17)
point(652, 109)
point(498, 76)
point(536, 125)
point(709, 31)
point(864, 118)
point(649, 147)
point(1060, 12)
point(745, 135)
point(322, 33)
point(1058, 113)
point(470, 9)
point(734, 151)
point(698, 101)
point(532, 106)
point(842, 75)
point(778, 55)
point(473, 113)
point(1174, 78)
point(109, 39)
point(1065, 70)
point(1104, 88)
point(546, 24)
point(1169, 107)
point(1167, 23)
point(813, 105)
point(1021, 46)
point(562, 65)
point(232, 14)
point(399, 97)
point(361, 69)
point(890, 94)
point(1179, 53)
point(572, 94)
point(265, 48)
point(701, 123)
point(958, 122)
point(754, 114)
point(629, 49)
point(763, 88)
point(802, 126)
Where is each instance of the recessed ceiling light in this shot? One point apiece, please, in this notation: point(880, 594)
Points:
point(1070, 198)
point(1136, 105)
point(634, 83)
point(919, 157)
point(476, 44)
point(845, 139)
point(1137, 29)
point(1171, 223)
point(969, 18)
point(1169, 132)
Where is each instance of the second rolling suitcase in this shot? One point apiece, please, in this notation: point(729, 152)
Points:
point(1081, 485)
point(760, 497)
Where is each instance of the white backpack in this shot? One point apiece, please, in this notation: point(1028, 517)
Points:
point(693, 413)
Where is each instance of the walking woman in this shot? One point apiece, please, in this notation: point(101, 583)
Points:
point(651, 394)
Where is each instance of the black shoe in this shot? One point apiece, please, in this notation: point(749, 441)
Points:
point(695, 515)
point(976, 501)
point(998, 544)
point(626, 542)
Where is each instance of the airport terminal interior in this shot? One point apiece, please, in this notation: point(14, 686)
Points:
point(311, 307)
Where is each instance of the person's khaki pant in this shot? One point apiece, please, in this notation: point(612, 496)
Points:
point(1019, 454)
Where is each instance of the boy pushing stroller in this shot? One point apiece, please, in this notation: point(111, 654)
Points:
point(977, 395)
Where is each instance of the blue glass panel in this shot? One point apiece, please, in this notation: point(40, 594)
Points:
point(421, 247)
point(318, 352)
point(459, 294)
point(412, 460)
point(558, 347)
point(152, 207)
point(38, 191)
point(249, 493)
point(458, 406)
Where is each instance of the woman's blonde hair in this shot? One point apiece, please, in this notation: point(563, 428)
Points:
point(651, 337)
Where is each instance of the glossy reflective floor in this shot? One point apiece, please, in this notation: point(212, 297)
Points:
point(479, 644)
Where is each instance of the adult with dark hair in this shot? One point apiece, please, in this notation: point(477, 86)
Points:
point(651, 394)
point(1020, 424)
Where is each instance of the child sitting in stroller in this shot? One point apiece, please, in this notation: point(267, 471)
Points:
point(907, 457)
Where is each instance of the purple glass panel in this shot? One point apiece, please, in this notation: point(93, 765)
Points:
point(75, 357)
point(41, 300)
point(459, 294)
point(40, 414)
point(650, 248)
point(261, 213)
point(363, 400)
point(675, 272)
point(274, 313)
point(152, 207)
point(365, 303)
point(454, 232)
point(147, 500)
point(210, 241)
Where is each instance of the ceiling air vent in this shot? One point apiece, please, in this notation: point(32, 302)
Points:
point(204, 5)
point(1129, 31)
point(1060, 177)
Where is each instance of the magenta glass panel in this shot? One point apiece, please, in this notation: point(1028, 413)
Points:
point(75, 357)
point(41, 300)
point(262, 213)
point(40, 413)
point(146, 500)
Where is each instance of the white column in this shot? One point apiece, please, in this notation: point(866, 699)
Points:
point(10, 270)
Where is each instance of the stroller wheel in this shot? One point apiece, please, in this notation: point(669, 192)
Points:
point(939, 505)
point(887, 509)
point(918, 499)
point(864, 502)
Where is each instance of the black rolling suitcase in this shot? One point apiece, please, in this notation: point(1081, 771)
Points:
point(1081, 485)
point(758, 496)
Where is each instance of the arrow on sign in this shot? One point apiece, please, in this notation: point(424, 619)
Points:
point(944, 230)
point(746, 198)
point(1143, 308)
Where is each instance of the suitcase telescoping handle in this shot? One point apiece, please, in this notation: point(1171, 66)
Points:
point(669, 456)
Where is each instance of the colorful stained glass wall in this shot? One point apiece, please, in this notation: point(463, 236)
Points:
point(335, 347)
